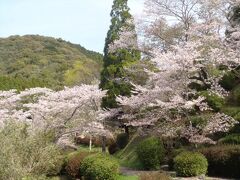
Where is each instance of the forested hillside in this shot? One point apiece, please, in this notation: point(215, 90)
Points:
point(33, 60)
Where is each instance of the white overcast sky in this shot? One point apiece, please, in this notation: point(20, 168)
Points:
point(82, 22)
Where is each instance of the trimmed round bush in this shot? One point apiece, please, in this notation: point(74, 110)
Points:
point(188, 164)
point(172, 154)
point(122, 140)
point(151, 152)
point(99, 166)
point(74, 162)
point(223, 160)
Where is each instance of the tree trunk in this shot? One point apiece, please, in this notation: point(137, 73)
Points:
point(90, 143)
point(126, 128)
point(103, 144)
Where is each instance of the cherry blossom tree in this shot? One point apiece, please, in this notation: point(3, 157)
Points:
point(65, 112)
point(166, 23)
point(167, 99)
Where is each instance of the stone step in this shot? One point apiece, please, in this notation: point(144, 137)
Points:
point(171, 173)
point(165, 167)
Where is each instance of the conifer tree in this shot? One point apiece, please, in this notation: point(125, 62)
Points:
point(233, 32)
point(235, 18)
point(113, 76)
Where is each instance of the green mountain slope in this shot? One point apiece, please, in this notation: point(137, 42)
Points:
point(33, 60)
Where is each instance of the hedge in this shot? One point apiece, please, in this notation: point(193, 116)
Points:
point(224, 160)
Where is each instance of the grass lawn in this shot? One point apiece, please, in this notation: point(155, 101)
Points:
point(83, 148)
point(128, 157)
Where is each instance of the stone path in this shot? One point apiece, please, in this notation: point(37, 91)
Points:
point(130, 172)
point(200, 178)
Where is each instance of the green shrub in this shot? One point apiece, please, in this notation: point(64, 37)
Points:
point(230, 139)
point(237, 117)
point(113, 148)
point(234, 96)
point(150, 152)
point(55, 167)
point(198, 121)
point(231, 110)
point(100, 167)
point(229, 81)
point(235, 113)
point(223, 160)
point(189, 164)
point(154, 176)
point(74, 162)
point(214, 101)
point(122, 140)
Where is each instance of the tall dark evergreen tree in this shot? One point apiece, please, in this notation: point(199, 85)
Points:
point(235, 15)
point(233, 32)
point(113, 76)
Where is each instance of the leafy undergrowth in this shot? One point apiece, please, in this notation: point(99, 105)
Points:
point(128, 157)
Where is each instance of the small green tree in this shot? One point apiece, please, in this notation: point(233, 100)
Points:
point(25, 155)
point(113, 76)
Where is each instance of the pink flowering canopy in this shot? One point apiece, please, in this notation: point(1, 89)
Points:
point(168, 88)
point(68, 111)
